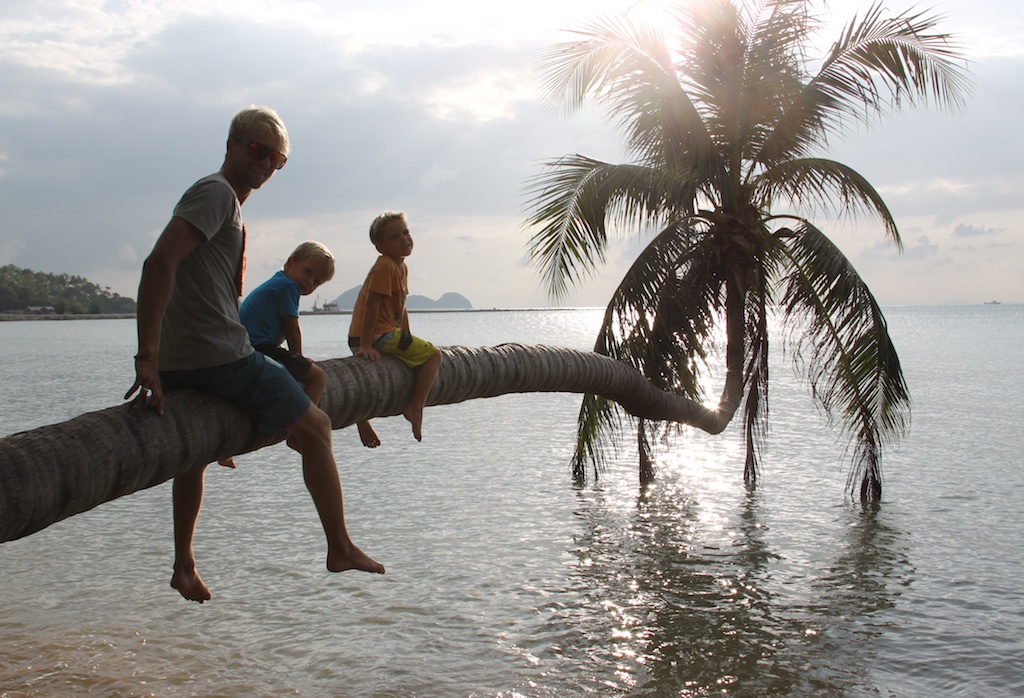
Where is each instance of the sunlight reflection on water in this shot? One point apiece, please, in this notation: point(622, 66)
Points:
point(504, 579)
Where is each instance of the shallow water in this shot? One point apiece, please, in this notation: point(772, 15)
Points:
point(506, 580)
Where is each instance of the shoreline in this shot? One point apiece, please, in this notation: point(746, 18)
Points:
point(15, 317)
point(458, 310)
point(18, 317)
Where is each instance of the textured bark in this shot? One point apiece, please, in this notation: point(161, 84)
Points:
point(53, 472)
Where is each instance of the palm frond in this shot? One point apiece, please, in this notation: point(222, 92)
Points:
point(755, 379)
point(737, 62)
point(629, 68)
point(841, 340)
point(826, 185)
point(596, 429)
point(573, 199)
point(881, 62)
point(774, 70)
point(878, 65)
point(662, 314)
point(659, 320)
point(594, 65)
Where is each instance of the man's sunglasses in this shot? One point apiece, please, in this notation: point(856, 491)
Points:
point(258, 151)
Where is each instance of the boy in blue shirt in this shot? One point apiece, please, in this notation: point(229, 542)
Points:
point(270, 314)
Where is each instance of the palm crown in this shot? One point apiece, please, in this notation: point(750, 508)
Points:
point(724, 125)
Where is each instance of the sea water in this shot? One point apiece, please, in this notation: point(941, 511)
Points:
point(505, 579)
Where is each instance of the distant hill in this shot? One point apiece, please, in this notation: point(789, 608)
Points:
point(449, 301)
point(21, 289)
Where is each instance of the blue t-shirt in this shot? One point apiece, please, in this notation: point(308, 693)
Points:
point(263, 308)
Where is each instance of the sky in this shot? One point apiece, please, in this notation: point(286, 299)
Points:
point(110, 109)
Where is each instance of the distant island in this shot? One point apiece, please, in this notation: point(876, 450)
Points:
point(28, 293)
point(347, 300)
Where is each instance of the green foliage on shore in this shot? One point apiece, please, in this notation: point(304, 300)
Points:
point(73, 295)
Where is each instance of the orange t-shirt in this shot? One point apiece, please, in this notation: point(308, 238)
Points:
point(391, 280)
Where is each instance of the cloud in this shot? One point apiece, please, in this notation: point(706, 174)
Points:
point(111, 109)
point(437, 175)
point(922, 248)
point(969, 231)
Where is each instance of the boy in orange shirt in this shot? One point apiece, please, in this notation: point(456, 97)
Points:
point(380, 322)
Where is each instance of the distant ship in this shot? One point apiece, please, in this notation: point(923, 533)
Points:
point(328, 307)
point(992, 303)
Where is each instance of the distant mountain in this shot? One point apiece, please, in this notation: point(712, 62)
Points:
point(449, 301)
point(347, 300)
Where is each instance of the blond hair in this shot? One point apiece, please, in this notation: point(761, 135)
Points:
point(247, 119)
point(381, 220)
point(312, 251)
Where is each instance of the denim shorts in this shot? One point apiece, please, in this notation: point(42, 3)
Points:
point(257, 384)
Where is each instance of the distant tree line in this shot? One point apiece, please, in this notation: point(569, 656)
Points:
point(72, 295)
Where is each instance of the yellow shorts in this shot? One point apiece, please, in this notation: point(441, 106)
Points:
point(412, 350)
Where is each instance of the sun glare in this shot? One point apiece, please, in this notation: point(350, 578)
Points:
point(483, 96)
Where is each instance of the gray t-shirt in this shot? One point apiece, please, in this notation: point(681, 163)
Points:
point(200, 326)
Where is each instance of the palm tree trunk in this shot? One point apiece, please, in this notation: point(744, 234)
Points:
point(644, 450)
point(53, 472)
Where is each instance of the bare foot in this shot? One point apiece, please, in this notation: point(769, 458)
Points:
point(189, 585)
point(367, 435)
point(352, 559)
point(227, 462)
point(415, 417)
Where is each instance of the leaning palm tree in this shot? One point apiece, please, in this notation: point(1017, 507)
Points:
point(725, 122)
point(55, 471)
